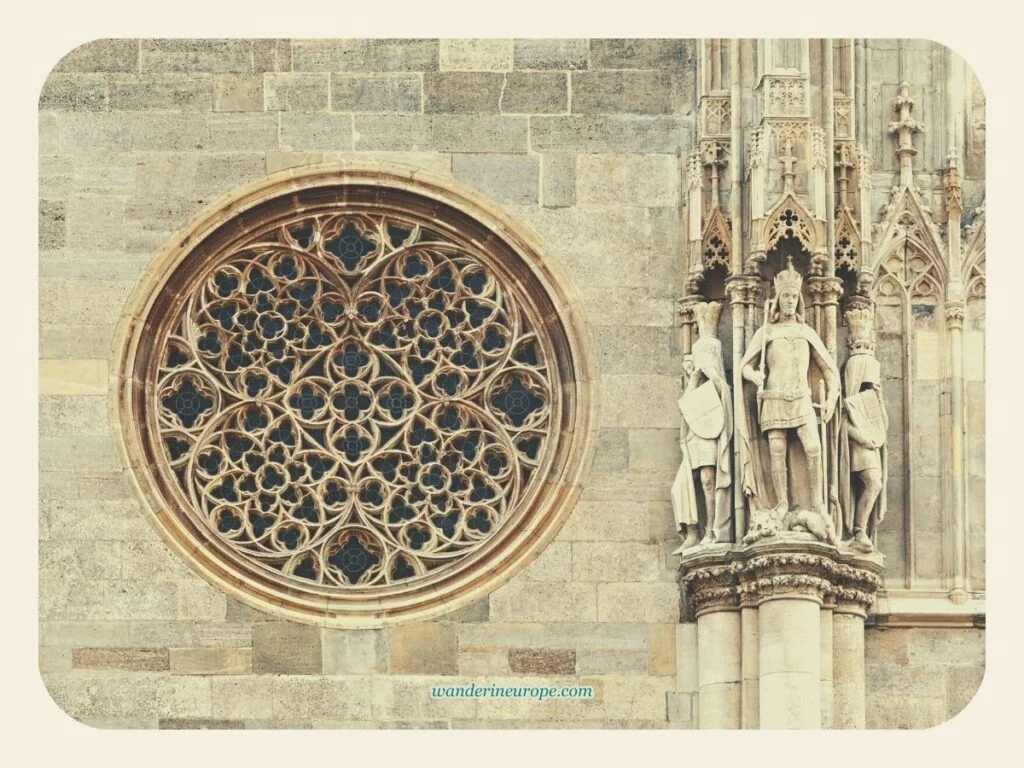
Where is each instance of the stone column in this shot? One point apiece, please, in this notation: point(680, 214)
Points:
point(827, 665)
point(824, 293)
point(789, 655)
point(749, 669)
point(855, 584)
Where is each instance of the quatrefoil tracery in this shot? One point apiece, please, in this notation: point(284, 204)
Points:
point(353, 400)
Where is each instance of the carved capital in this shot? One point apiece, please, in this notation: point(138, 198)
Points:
point(955, 314)
point(711, 587)
point(743, 289)
point(824, 290)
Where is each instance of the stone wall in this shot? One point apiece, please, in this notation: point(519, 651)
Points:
point(920, 677)
point(580, 140)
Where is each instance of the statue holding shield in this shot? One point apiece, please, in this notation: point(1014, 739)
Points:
point(701, 490)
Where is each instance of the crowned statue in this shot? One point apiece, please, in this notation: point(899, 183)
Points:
point(862, 437)
point(701, 490)
point(787, 421)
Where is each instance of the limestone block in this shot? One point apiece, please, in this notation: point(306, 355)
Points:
point(281, 647)
point(77, 454)
point(176, 93)
point(624, 92)
point(153, 561)
point(591, 231)
point(558, 180)
point(550, 53)
point(171, 696)
point(238, 93)
point(196, 55)
point(424, 648)
point(650, 180)
point(311, 131)
point(54, 659)
point(75, 599)
point(904, 713)
point(536, 93)
point(271, 55)
point(661, 647)
point(170, 174)
point(403, 133)
point(462, 92)
point(961, 647)
point(198, 724)
point(686, 657)
point(553, 564)
point(217, 174)
point(49, 135)
point(163, 633)
point(653, 449)
point(612, 453)
point(200, 601)
point(354, 55)
point(629, 486)
point(278, 160)
point(91, 696)
point(242, 133)
point(929, 569)
point(610, 133)
point(626, 306)
point(522, 600)
point(400, 698)
point(478, 611)
point(385, 93)
point(639, 401)
point(117, 519)
point(96, 222)
point(680, 708)
point(542, 661)
point(133, 659)
point(648, 603)
point(601, 662)
point(505, 178)
point(82, 132)
point(355, 651)
point(54, 176)
point(296, 91)
point(240, 612)
point(82, 302)
point(435, 162)
point(484, 133)
point(344, 698)
point(475, 54)
point(661, 523)
point(789, 637)
point(71, 634)
point(169, 133)
point(962, 684)
point(226, 633)
point(241, 697)
point(631, 349)
point(69, 377)
point(640, 53)
point(103, 173)
point(74, 93)
point(581, 636)
point(789, 700)
point(101, 56)
point(71, 558)
point(615, 561)
point(211, 661)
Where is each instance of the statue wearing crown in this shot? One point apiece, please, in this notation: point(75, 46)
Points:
point(862, 455)
point(786, 424)
point(701, 491)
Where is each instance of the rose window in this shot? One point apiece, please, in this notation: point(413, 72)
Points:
point(351, 402)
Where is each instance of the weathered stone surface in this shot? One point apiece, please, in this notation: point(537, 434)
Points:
point(635, 349)
point(612, 453)
point(654, 449)
point(74, 599)
point(445, 133)
point(296, 91)
point(70, 634)
point(133, 659)
point(52, 224)
point(166, 173)
point(272, 55)
point(606, 521)
point(99, 519)
point(180, 93)
point(535, 93)
point(82, 559)
point(611, 133)
point(401, 698)
point(615, 561)
point(74, 93)
point(424, 648)
point(110, 55)
point(242, 133)
point(558, 180)
point(639, 401)
point(962, 685)
point(462, 92)
point(604, 662)
point(636, 93)
point(355, 651)
point(364, 55)
point(54, 659)
point(522, 600)
point(478, 611)
point(281, 647)
point(640, 53)
point(85, 132)
point(505, 178)
point(542, 661)
point(579, 635)
point(650, 603)
point(162, 633)
point(217, 174)
point(435, 162)
point(199, 724)
point(551, 54)
point(241, 697)
point(84, 302)
point(661, 646)
point(344, 698)
point(384, 93)
point(168, 133)
point(310, 131)
point(475, 54)
point(211, 661)
point(651, 180)
point(238, 93)
point(554, 563)
point(73, 377)
point(196, 55)
point(80, 454)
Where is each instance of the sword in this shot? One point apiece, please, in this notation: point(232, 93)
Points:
point(824, 451)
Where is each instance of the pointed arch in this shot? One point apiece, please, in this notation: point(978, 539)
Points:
point(908, 230)
point(847, 253)
point(974, 260)
point(789, 218)
point(716, 244)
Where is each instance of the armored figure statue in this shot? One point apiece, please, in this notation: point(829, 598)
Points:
point(700, 492)
point(786, 451)
point(862, 438)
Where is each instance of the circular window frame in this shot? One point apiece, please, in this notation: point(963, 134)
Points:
point(538, 517)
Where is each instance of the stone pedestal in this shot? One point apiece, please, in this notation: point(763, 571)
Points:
point(780, 632)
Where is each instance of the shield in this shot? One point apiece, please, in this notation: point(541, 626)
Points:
point(702, 410)
point(867, 413)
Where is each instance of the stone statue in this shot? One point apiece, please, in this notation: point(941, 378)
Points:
point(865, 425)
point(700, 492)
point(787, 373)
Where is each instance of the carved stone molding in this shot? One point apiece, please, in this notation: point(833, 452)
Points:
point(744, 289)
point(788, 566)
point(954, 314)
point(785, 95)
point(716, 116)
point(843, 114)
point(824, 290)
